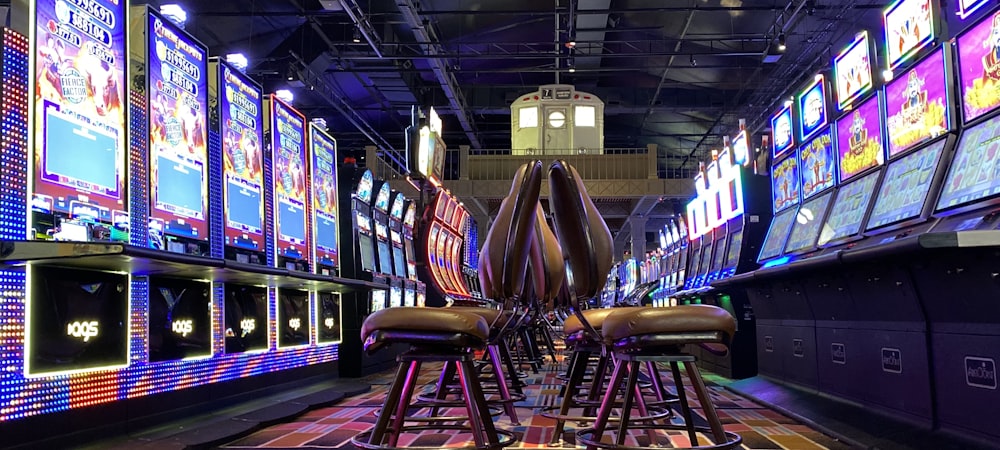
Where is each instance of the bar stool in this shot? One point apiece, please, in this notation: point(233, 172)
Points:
point(450, 336)
point(659, 335)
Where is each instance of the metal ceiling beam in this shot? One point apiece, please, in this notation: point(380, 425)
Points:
point(428, 40)
point(365, 27)
point(663, 76)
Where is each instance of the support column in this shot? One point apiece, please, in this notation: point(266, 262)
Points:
point(463, 163)
point(653, 159)
point(638, 224)
point(372, 162)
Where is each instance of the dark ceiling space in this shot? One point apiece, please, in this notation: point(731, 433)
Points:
point(678, 74)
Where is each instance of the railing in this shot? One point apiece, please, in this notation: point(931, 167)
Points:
point(500, 164)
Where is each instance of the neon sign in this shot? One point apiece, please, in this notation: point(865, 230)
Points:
point(719, 196)
point(85, 329)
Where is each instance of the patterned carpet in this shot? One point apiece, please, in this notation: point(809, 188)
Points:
point(334, 426)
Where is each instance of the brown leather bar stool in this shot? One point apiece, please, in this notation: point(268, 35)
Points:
point(587, 251)
point(659, 335)
point(451, 336)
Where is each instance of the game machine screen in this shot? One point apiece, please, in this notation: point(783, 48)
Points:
point(409, 221)
point(380, 219)
point(293, 318)
point(290, 166)
point(76, 321)
point(395, 296)
point(818, 162)
point(680, 233)
point(806, 226)
point(362, 221)
point(78, 176)
point(180, 319)
point(246, 311)
point(848, 211)
point(324, 195)
point(902, 198)
point(704, 261)
point(455, 263)
point(974, 175)
point(177, 76)
point(784, 197)
point(241, 116)
point(979, 69)
point(718, 256)
point(433, 259)
point(917, 105)
point(396, 235)
point(774, 243)
point(859, 139)
point(781, 129)
point(329, 318)
point(733, 253)
point(852, 72)
point(377, 300)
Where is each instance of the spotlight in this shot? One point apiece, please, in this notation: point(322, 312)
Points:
point(284, 95)
point(887, 75)
point(174, 13)
point(571, 64)
point(781, 42)
point(357, 36)
point(694, 62)
point(290, 76)
point(810, 7)
point(238, 60)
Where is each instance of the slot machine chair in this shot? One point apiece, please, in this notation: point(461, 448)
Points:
point(448, 335)
point(633, 336)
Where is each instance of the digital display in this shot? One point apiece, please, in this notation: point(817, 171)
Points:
point(294, 318)
point(852, 70)
point(785, 184)
point(777, 234)
point(329, 318)
point(410, 217)
point(917, 105)
point(819, 162)
point(806, 227)
point(288, 146)
point(395, 296)
point(396, 210)
point(812, 107)
point(377, 300)
point(382, 198)
point(967, 7)
point(849, 209)
point(719, 254)
point(781, 128)
point(324, 187)
point(859, 140)
point(365, 185)
point(178, 86)
point(440, 206)
point(246, 318)
point(79, 140)
point(706, 258)
point(697, 217)
point(430, 153)
point(241, 115)
point(733, 253)
point(382, 242)
point(433, 256)
point(904, 191)
point(398, 259)
point(975, 170)
point(909, 26)
point(979, 67)
point(180, 322)
point(741, 148)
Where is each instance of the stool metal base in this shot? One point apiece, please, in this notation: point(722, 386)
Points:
point(585, 436)
point(507, 438)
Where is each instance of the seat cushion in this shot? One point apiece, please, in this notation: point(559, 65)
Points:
point(442, 320)
point(595, 317)
point(683, 319)
point(488, 314)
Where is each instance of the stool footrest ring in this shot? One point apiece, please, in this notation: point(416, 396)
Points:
point(586, 435)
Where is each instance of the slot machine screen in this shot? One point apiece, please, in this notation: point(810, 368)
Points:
point(718, 255)
point(398, 258)
point(366, 246)
point(441, 206)
point(695, 260)
point(329, 318)
point(848, 211)
point(246, 318)
point(324, 187)
point(176, 65)
point(444, 258)
point(411, 265)
point(774, 243)
point(77, 320)
point(290, 166)
point(241, 115)
point(293, 318)
point(395, 296)
point(433, 256)
point(818, 162)
point(859, 139)
point(455, 263)
point(384, 254)
point(805, 229)
point(812, 108)
point(377, 302)
point(975, 169)
point(907, 182)
point(705, 258)
point(409, 297)
point(977, 62)
point(781, 126)
point(79, 141)
point(180, 321)
point(733, 253)
point(852, 70)
point(909, 26)
point(785, 184)
point(917, 105)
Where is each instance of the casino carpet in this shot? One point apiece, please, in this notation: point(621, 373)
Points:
point(333, 427)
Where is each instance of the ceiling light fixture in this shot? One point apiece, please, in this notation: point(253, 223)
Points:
point(781, 42)
point(174, 13)
point(284, 95)
point(694, 62)
point(357, 36)
point(238, 60)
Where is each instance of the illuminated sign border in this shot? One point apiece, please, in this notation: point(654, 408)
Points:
point(907, 55)
point(777, 152)
point(819, 81)
point(861, 38)
point(967, 7)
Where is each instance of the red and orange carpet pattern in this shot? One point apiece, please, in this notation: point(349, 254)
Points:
point(333, 427)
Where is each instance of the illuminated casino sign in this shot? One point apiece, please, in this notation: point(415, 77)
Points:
point(909, 26)
point(852, 71)
point(78, 116)
point(812, 107)
point(718, 198)
point(781, 128)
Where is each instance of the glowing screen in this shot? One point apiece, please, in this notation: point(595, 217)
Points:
point(785, 184)
point(859, 139)
point(909, 26)
point(849, 209)
point(289, 150)
point(324, 187)
point(907, 181)
point(819, 162)
point(852, 70)
point(241, 114)
point(806, 228)
point(979, 67)
point(781, 128)
point(917, 105)
point(777, 234)
point(975, 170)
point(812, 107)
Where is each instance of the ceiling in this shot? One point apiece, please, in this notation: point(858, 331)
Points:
point(678, 74)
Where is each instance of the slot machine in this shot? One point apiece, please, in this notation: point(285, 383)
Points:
point(286, 129)
point(323, 179)
point(416, 292)
point(443, 249)
point(399, 270)
point(383, 245)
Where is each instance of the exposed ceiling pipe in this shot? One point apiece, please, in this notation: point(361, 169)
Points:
point(424, 35)
point(663, 76)
point(357, 16)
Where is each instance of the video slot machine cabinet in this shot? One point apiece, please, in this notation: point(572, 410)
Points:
point(399, 271)
point(415, 294)
point(285, 130)
point(383, 245)
point(358, 261)
point(441, 242)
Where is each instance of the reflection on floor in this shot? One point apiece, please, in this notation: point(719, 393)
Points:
point(333, 427)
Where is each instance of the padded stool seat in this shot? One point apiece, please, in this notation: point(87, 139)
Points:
point(595, 317)
point(424, 326)
point(697, 323)
point(490, 315)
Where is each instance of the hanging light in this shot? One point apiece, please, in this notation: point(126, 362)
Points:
point(284, 95)
point(174, 13)
point(781, 42)
point(238, 60)
point(357, 36)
